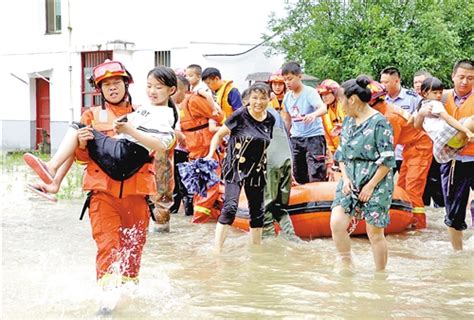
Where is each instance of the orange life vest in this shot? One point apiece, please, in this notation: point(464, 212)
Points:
point(465, 110)
point(103, 120)
point(222, 96)
point(142, 183)
point(276, 104)
point(194, 120)
point(330, 120)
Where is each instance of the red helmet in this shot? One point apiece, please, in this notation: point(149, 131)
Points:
point(109, 69)
point(328, 86)
point(378, 92)
point(276, 77)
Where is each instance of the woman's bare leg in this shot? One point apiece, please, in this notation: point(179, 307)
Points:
point(379, 246)
point(339, 223)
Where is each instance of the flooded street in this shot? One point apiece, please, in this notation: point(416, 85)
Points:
point(48, 271)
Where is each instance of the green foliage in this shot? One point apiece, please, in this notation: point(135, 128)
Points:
point(71, 187)
point(342, 39)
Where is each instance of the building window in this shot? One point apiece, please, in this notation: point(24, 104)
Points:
point(53, 16)
point(90, 97)
point(163, 58)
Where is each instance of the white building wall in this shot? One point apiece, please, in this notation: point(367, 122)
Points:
point(147, 26)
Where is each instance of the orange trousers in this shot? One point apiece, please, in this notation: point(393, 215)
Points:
point(119, 228)
point(208, 208)
point(413, 175)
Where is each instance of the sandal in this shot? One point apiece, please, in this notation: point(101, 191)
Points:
point(39, 190)
point(39, 167)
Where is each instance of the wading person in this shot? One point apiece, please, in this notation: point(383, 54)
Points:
point(366, 159)
point(118, 210)
point(456, 176)
point(196, 112)
point(250, 131)
point(417, 151)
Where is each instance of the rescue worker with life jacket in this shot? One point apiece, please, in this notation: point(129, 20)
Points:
point(332, 122)
point(417, 151)
point(118, 210)
point(277, 84)
point(195, 112)
point(227, 96)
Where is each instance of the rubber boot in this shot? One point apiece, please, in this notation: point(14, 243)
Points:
point(256, 235)
point(221, 234)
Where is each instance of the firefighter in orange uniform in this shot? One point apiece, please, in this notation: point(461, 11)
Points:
point(332, 121)
point(417, 151)
point(195, 112)
point(118, 210)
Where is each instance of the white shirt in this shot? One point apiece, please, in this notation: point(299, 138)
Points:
point(155, 121)
point(433, 123)
point(201, 86)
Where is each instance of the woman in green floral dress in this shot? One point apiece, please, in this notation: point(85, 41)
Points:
point(366, 157)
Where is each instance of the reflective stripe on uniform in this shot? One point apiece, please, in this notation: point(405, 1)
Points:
point(418, 210)
point(126, 279)
point(206, 211)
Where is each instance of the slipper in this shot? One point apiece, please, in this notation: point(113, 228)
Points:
point(39, 167)
point(41, 191)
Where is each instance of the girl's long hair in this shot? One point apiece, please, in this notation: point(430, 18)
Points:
point(167, 77)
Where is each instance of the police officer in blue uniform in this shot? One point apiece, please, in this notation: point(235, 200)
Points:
point(404, 98)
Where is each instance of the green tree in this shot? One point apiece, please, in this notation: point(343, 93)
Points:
point(342, 39)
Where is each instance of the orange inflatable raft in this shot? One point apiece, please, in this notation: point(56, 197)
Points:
point(310, 210)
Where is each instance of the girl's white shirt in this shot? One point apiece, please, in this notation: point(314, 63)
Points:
point(433, 123)
point(155, 121)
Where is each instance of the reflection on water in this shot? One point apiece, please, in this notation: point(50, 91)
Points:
point(49, 271)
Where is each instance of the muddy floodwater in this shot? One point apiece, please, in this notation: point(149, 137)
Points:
point(48, 271)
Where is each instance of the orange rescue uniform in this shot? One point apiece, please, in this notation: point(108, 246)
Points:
point(417, 156)
point(194, 119)
point(465, 110)
point(334, 116)
point(118, 210)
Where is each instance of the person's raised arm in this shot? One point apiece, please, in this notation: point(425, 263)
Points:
point(419, 116)
point(320, 108)
point(456, 124)
point(148, 141)
point(216, 140)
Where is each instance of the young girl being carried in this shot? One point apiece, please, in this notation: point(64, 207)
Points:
point(448, 134)
point(149, 127)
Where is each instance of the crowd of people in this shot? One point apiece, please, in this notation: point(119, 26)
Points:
point(360, 133)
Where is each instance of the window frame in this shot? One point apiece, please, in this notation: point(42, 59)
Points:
point(90, 59)
point(53, 17)
point(163, 58)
